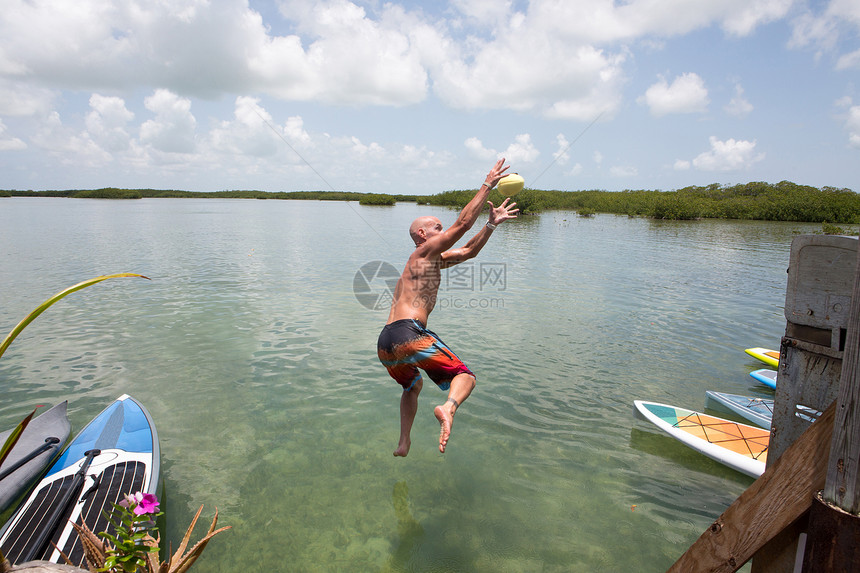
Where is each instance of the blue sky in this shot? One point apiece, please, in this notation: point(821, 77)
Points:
point(422, 97)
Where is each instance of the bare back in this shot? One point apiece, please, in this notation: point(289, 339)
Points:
point(416, 291)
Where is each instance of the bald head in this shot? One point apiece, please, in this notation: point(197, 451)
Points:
point(422, 227)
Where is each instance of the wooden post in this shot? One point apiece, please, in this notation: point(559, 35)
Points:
point(834, 526)
point(817, 311)
point(843, 471)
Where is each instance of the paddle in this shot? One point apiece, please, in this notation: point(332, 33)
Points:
point(37, 548)
point(49, 443)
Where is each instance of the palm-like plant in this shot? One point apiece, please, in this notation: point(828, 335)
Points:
point(44, 306)
point(16, 433)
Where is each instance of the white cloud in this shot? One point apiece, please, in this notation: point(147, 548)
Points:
point(852, 124)
point(561, 60)
point(849, 61)
point(729, 155)
point(69, 147)
point(19, 99)
point(844, 101)
point(623, 171)
point(107, 121)
point(208, 66)
point(294, 130)
point(205, 48)
point(9, 143)
point(561, 156)
point(750, 15)
point(534, 72)
point(598, 21)
point(809, 29)
point(847, 11)
point(483, 11)
point(826, 30)
point(681, 165)
point(739, 106)
point(173, 128)
point(355, 59)
point(687, 94)
point(477, 149)
point(522, 150)
point(419, 157)
point(13, 144)
point(249, 133)
point(357, 148)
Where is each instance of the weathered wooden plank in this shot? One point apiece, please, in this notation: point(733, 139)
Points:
point(820, 278)
point(843, 474)
point(781, 495)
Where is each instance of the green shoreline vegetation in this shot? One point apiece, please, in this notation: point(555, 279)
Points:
point(784, 201)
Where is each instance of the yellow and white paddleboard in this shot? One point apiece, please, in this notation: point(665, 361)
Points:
point(769, 357)
point(741, 447)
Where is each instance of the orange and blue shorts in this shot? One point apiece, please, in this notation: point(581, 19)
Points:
point(406, 345)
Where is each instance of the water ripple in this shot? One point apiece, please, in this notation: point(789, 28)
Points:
point(259, 366)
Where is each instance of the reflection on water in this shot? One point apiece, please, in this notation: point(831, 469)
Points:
point(258, 364)
point(409, 531)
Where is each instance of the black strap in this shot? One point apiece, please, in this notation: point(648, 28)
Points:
point(49, 444)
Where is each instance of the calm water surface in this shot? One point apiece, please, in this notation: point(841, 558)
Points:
point(257, 361)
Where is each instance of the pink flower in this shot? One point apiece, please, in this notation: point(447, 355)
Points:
point(145, 503)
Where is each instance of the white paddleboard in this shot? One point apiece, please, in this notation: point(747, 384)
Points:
point(738, 446)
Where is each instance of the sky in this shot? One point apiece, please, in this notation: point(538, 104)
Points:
point(420, 97)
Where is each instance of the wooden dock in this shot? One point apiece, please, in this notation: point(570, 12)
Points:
point(802, 513)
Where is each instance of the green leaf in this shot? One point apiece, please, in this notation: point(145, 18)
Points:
point(13, 437)
point(109, 537)
point(44, 306)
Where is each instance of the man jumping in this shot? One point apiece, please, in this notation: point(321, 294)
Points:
point(405, 344)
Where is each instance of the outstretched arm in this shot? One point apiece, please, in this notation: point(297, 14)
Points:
point(470, 212)
point(497, 216)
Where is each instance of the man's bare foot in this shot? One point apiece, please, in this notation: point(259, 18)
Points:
point(403, 449)
point(446, 420)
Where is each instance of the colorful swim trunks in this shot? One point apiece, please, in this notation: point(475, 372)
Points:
point(406, 345)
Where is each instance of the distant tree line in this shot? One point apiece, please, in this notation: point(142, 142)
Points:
point(114, 193)
point(783, 201)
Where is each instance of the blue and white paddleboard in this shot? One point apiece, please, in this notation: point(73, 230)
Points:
point(765, 376)
point(114, 455)
point(759, 411)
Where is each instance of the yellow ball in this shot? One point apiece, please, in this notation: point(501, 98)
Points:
point(510, 185)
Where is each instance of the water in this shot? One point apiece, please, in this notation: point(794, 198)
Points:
point(257, 362)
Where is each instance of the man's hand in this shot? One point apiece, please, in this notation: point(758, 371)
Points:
point(503, 212)
point(496, 173)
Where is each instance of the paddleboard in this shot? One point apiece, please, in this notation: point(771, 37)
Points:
point(39, 444)
point(116, 454)
point(765, 376)
point(738, 446)
point(769, 357)
point(759, 411)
